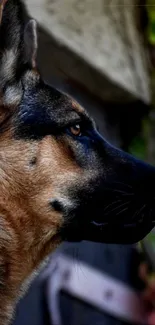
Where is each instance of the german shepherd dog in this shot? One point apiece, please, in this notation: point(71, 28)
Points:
point(59, 179)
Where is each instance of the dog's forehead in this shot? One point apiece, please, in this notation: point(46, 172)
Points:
point(58, 101)
point(47, 102)
point(44, 109)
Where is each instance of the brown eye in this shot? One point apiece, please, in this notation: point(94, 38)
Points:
point(76, 130)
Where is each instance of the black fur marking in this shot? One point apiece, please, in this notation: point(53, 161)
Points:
point(45, 111)
point(33, 161)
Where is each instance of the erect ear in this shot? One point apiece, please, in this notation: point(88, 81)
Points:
point(18, 49)
point(2, 3)
point(31, 43)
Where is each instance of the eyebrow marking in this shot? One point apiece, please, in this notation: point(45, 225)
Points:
point(77, 107)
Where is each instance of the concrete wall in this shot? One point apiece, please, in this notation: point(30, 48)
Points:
point(95, 43)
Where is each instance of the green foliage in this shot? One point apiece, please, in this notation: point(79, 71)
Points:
point(150, 7)
point(151, 25)
point(138, 147)
point(151, 239)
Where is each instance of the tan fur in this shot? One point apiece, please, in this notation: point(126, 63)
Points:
point(28, 226)
point(77, 106)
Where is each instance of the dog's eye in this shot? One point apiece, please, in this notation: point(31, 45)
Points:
point(75, 130)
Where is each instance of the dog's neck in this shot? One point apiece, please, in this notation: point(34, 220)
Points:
point(20, 259)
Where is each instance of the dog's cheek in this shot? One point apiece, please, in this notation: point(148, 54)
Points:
point(49, 177)
point(41, 208)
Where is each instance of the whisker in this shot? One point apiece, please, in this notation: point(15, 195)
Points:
point(74, 256)
point(124, 184)
point(111, 204)
point(118, 207)
point(119, 191)
point(125, 209)
point(138, 211)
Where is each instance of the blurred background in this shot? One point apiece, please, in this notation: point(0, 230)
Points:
point(101, 52)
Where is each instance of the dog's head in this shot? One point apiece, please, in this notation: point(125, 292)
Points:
point(58, 176)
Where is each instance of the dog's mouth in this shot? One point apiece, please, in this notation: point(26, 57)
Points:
point(111, 232)
point(125, 220)
point(117, 219)
point(127, 233)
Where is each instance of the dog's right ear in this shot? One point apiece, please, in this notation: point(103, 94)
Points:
point(18, 50)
